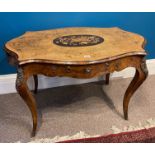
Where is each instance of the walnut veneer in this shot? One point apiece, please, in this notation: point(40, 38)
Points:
point(78, 53)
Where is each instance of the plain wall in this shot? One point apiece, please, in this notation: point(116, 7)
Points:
point(15, 24)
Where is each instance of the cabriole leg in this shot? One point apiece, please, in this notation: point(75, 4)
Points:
point(25, 93)
point(139, 78)
point(107, 77)
point(35, 77)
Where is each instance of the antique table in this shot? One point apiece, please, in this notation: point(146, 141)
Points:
point(78, 53)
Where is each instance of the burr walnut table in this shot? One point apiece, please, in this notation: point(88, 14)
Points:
point(77, 53)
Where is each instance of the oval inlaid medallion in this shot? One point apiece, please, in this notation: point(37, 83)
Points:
point(78, 40)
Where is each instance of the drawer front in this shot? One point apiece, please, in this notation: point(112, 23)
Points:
point(80, 71)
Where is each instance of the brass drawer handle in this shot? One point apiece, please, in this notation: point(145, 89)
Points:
point(107, 64)
point(88, 70)
point(68, 69)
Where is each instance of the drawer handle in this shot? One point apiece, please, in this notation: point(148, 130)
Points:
point(68, 69)
point(88, 70)
point(107, 64)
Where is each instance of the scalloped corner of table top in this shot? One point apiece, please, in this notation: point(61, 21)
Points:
point(38, 45)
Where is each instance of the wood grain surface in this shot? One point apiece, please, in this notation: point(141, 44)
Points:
point(38, 46)
point(77, 53)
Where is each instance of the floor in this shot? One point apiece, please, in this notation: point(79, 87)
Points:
point(93, 108)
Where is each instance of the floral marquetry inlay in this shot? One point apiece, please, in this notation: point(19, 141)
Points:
point(78, 40)
point(78, 53)
point(75, 45)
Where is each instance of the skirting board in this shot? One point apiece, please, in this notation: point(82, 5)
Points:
point(7, 82)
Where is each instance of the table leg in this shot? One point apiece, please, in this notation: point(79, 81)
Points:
point(25, 93)
point(107, 77)
point(140, 76)
point(35, 77)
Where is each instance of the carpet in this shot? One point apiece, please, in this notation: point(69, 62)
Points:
point(79, 111)
point(142, 133)
point(139, 136)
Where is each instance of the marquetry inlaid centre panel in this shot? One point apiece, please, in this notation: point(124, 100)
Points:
point(75, 45)
point(78, 40)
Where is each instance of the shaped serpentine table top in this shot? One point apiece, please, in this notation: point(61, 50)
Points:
point(75, 45)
